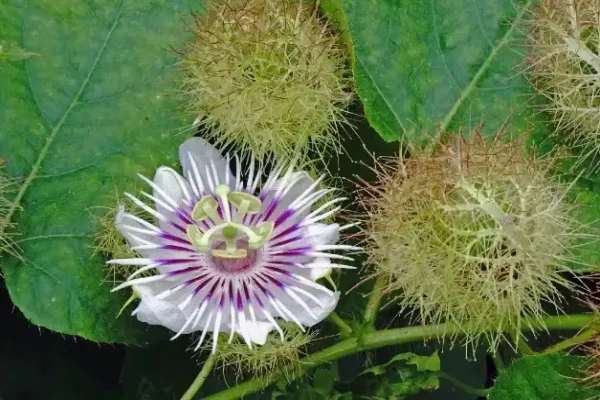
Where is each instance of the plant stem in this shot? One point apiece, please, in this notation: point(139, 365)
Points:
point(374, 301)
point(343, 326)
point(377, 339)
point(572, 341)
point(199, 381)
point(466, 388)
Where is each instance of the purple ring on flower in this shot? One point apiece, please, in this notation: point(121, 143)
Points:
point(226, 256)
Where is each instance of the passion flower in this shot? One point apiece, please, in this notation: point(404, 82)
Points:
point(226, 256)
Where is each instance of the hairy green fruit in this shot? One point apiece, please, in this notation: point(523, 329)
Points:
point(267, 76)
point(478, 233)
point(564, 65)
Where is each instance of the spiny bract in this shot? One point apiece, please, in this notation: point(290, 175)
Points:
point(7, 186)
point(476, 235)
point(267, 76)
point(564, 62)
point(274, 355)
point(109, 242)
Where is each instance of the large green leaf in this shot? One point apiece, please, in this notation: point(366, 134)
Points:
point(545, 377)
point(78, 120)
point(422, 65)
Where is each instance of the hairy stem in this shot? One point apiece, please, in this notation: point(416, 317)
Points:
point(374, 301)
point(343, 326)
point(377, 339)
point(199, 381)
point(572, 341)
point(463, 386)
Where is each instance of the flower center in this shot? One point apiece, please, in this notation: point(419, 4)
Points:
point(228, 237)
point(231, 264)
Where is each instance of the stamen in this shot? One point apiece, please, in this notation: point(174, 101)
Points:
point(229, 230)
point(206, 208)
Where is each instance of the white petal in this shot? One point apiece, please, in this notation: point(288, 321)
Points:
point(203, 153)
point(322, 234)
point(314, 273)
point(154, 311)
point(303, 182)
point(328, 300)
point(257, 332)
point(166, 179)
point(329, 303)
point(318, 273)
point(121, 221)
point(158, 312)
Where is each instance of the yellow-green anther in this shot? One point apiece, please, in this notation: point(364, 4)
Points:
point(238, 198)
point(195, 236)
point(241, 211)
point(252, 236)
point(228, 230)
point(263, 232)
point(222, 191)
point(265, 229)
point(238, 253)
point(206, 207)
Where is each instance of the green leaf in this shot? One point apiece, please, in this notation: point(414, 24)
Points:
point(426, 363)
point(551, 376)
point(320, 384)
point(405, 374)
point(78, 122)
point(324, 380)
point(424, 65)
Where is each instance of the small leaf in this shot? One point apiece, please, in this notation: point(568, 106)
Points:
point(405, 374)
point(78, 122)
point(426, 363)
point(324, 380)
point(543, 377)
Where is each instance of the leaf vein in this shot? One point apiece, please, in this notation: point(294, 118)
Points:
point(486, 64)
point(37, 166)
point(364, 68)
point(439, 45)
